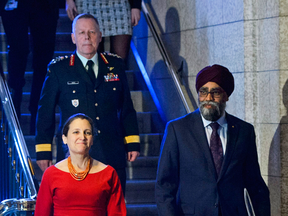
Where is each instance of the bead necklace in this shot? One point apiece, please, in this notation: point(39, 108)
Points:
point(79, 176)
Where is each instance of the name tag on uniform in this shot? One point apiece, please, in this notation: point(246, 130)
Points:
point(73, 83)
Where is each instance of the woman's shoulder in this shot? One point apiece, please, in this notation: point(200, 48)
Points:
point(50, 171)
point(62, 165)
point(98, 166)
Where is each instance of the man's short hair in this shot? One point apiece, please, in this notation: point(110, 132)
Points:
point(83, 16)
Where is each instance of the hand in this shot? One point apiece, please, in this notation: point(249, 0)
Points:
point(131, 156)
point(44, 164)
point(135, 16)
point(71, 9)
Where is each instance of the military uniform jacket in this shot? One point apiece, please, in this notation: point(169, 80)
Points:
point(108, 102)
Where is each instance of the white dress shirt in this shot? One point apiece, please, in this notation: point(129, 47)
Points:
point(85, 60)
point(222, 130)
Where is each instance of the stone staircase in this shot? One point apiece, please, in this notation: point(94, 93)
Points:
point(141, 174)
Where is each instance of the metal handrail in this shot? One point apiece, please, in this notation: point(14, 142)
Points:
point(180, 88)
point(20, 203)
point(147, 80)
point(18, 137)
point(248, 203)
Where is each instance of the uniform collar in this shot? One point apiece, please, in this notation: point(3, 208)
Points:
point(85, 60)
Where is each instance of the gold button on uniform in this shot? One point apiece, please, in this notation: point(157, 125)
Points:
point(99, 131)
point(74, 91)
point(95, 90)
point(97, 118)
point(96, 104)
point(114, 89)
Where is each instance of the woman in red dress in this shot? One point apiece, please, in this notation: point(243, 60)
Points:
point(80, 185)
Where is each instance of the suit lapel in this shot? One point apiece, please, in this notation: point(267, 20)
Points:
point(199, 134)
point(232, 136)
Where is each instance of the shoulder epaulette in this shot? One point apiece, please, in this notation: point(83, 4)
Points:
point(104, 58)
point(57, 59)
point(72, 60)
point(111, 54)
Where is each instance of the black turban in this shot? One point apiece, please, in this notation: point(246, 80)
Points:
point(218, 74)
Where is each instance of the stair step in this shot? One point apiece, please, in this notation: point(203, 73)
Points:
point(140, 191)
point(141, 209)
point(64, 23)
point(142, 168)
point(64, 42)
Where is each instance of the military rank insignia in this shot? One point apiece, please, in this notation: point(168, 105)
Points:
point(72, 60)
point(110, 77)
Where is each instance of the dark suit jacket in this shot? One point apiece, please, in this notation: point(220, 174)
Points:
point(109, 104)
point(187, 182)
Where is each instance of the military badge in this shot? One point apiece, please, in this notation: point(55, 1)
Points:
point(110, 77)
point(75, 102)
point(110, 68)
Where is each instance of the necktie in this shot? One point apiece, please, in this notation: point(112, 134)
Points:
point(90, 71)
point(216, 147)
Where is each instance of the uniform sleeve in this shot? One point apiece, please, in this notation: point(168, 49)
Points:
point(116, 204)
point(128, 116)
point(135, 4)
point(167, 174)
point(45, 122)
point(254, 183)
point(44, 202)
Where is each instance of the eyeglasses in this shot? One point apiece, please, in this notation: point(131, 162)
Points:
point(214, 93)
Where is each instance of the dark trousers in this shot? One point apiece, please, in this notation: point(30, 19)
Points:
point(122, 176)
point(41, 20)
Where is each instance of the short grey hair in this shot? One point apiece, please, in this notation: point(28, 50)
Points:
point(84, 16)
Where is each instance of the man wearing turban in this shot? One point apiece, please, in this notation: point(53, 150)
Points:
point(208, 159)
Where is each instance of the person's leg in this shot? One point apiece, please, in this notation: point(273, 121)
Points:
point(122, 176)
point(15, 24)
point(43, 33)
point(120, 45)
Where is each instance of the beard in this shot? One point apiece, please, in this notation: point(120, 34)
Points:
point(215, 112)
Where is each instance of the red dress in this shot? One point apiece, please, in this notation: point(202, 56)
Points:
point(99, 193)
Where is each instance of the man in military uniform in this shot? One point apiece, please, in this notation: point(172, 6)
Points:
point(104, 96)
